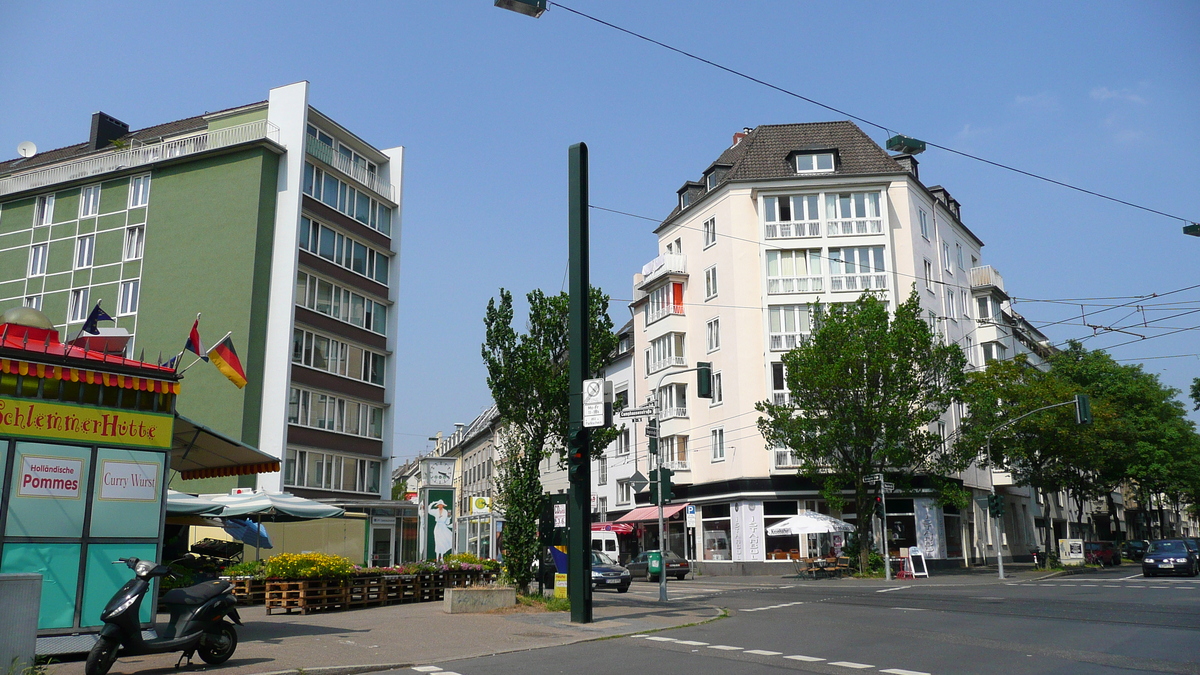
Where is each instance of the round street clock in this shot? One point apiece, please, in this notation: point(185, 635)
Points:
point(440, 472)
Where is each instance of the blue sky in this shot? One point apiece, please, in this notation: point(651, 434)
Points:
point(1102, 95)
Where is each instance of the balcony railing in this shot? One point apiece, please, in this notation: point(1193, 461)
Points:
point(655, 313)
point(781, 398)
point(140, 156)
point(677, 465)
point(793, 229)
point(787, 341)
point(667, 263)
point(785, 459)
point(672, 412)
point(847, 226)
point(986, 276)
point(858, 282)
point(344, 164)
point(663, 364)
point(795, 285)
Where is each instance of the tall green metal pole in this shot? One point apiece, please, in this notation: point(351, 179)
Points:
point(579, 557)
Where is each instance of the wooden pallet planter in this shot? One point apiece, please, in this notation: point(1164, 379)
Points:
point(400, 589)
point(365, 592)
point(306, 596)
point(248, 591)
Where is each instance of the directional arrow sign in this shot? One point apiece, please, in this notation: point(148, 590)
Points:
point(637, 482)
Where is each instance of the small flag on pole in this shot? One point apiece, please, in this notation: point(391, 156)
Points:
point(89, 326)
point(193, 341)
point(223, 356)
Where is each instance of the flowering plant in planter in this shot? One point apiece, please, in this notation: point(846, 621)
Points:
point(308, 566)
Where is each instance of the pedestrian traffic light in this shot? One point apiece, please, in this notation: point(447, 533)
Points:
point(704, 379)
point(660, 486)
point(1083, 409)
point(577, 454)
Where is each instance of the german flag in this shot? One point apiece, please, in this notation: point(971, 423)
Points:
point(223, 356)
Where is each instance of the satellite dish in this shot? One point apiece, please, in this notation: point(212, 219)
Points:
point(27, 149)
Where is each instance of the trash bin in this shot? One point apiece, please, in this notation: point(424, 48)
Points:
point(20, 596)
point(654, 563)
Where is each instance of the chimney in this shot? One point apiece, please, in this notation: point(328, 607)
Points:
point(909, 163)
point(105, 129)
point(737, 138)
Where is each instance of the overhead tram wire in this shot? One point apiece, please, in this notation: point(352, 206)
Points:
point(868, 122)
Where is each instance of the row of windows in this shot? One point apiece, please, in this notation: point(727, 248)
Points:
point(337, 357)
point(344, 251)
point(329, 190)
point(85, 251)
point(89, 200)
point(80, 303)
point(351, 157)
point(842, 212)
point(328, 471)
point(333, 413)
point(340, 303)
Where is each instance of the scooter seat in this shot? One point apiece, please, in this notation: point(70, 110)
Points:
point(196, 595)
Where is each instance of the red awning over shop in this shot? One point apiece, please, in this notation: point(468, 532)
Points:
point(619, 528)
point(644, 513)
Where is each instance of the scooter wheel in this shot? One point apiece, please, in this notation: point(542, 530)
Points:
point(217, 646)
point(102, 656)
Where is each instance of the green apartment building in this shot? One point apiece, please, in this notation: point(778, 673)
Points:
point(275, 223)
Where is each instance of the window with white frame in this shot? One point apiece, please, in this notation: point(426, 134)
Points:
point(675, 246)
point(336, 194)
point(663, 301)
point(717, 441)
point(951, 308)
point(710, 283)
point(712, 333)
point(969, 348)
point(672, 401)
point(139, 190)
point(946, 257)
point(794, 271)
point(43, 212)
point(857, 268)
point(710, 232)
point(318, 410)
point(811, 163)
point(78, 308)
point(89, 201)
point(326, 297)
point(33, 302)
point(621, 444)
point(780, 394)
point(941, 432)
point(985, 311)
point(966, 305)
point(624, 492)
point(993, 351)
point(718, 394)
point(958, 254)
point(792, 216)
point(343, 250)
point(602, 474)
point(665, 352)
point(923, 219)
point(853, 213)
point(85, 250)
point(928, 276)
point(787, 326)
point(135, 242)
point(128, 301)
point(674, 451)
point(37, 260)
point(331, 471)
point(337, 356)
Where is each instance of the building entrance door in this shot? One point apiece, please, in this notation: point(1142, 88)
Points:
point(381, 546)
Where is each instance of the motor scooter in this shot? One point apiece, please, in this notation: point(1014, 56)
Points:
point(197, 624)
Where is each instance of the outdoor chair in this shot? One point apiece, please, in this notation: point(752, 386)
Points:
point(842, 566)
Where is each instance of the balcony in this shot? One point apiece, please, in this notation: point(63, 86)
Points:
point(672, 412)
point(144, 155)
point(793, 229)
point(677, 465)
point(777, 285)
point(781, 398)
point(663, 364)
point(858, 282)
point(850, 226)
point(359, 173)
point(986, 276)
point(784, 459)
point(667, 263)
point(781, 342)
point(655, 313)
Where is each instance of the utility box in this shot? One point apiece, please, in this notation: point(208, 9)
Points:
point(654, 562)
point(21, 598)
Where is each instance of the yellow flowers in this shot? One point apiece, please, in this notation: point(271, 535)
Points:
point(308, 566)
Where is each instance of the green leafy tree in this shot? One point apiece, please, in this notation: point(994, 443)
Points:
point(865, 388)
point(1196, 393)
point(529, 380)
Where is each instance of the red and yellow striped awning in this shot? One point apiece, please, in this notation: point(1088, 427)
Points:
point(66, 373)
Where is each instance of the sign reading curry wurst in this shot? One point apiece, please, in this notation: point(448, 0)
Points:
point(31, 418)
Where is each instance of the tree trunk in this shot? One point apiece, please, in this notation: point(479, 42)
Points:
point(866, 519)
point(1047, 525)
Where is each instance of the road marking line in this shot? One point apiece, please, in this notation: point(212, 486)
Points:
point(641, 635)
point(762, 652)
point(901, 671)
point(1112, 586)
point(693, 643)
point(797, 657)
point(1132, 576)
point(1072, 585)
point(726, 648)
point(661, 639)
point(1087, 585)
point(1160, 587)
point(898, 588)
point(850, 664)
point(426, 669)
point(910, 609)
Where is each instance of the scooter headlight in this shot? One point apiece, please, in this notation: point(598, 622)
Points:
point(121, 607)
point(144, 567)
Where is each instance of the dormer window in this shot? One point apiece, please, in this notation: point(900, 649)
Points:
point(684, 199)
point(814, 162)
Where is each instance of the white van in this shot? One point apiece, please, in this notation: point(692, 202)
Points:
point(606, 542)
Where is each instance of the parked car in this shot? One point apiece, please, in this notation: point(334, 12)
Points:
point(1103, 553)
point(675, 566)
point(1134, 549)
point(1171, 556)
point(606, 573)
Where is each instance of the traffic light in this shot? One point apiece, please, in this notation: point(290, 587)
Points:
point(660, 485)
point(879, 507)
point(996, 506)
point(704, 379)
point(577, 453)
point(652, 436)
point(1083, 409)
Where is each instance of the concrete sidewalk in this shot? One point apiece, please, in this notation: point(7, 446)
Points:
point(380, 638)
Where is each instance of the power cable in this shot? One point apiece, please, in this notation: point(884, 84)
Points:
point(815, 102)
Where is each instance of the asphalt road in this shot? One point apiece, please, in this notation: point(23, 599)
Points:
point(1110, 622)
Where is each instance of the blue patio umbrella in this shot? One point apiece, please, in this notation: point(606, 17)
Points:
point(248, 532)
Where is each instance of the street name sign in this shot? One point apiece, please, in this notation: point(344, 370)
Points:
point(636, 413)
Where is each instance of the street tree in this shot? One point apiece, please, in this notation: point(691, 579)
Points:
point(529, 380)
point(864, 389)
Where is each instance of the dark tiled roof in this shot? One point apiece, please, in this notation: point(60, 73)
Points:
point(79, 150)
point(765, 152)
